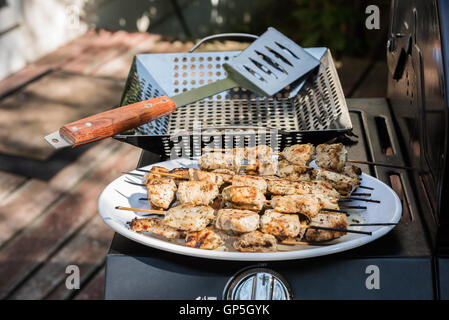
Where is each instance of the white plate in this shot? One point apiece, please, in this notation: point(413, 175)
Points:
point(120, 193)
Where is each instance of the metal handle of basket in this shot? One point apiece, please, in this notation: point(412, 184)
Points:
point(222, 35)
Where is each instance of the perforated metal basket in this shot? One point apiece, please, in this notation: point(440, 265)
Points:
point(309, 111)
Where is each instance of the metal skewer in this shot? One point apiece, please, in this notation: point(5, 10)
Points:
point(365, 187)
point(358, 199)
point(337, 230)
point(334, 210)
point(354, 207)
point(381, 164)
point(373, 224)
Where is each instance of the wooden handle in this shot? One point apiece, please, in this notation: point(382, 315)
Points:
point(109, 123)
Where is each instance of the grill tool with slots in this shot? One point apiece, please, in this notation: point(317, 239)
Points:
point(267, 66)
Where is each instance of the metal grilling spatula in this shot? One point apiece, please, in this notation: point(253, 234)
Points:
point(268, 65)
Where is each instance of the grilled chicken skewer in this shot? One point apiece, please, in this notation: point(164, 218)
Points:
point(186, 217)
point(286, 187)
point(155, 225)
point(299, 154)
point(250, 181)
point(294, 165)
point(160, 190)
point(218, 160)
point(162, 198)
point(256, 241)
point(344, 184)
point(244, 197)
point(295, 172)
point(261, 168)
point(237, 220)
point(207, 238)
point(308, 205)
point(328, 220)
point(197, 192)
point(280, 224)
point(262, 152)
point(189, 217)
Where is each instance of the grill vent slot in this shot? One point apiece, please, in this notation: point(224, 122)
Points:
point(397, 186)
point(384, 136)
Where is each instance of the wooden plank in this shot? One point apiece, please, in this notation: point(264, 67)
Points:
point(94, 290)
point(50, 230)
point(50, 61)
point(102, 51)
point(45, 105)
point(119, 67)
point(87, 250)
point(9, 183)
point(21, 77)
point(127, 44)
point(22, 207)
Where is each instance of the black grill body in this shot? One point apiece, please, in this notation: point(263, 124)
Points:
point(418, 63)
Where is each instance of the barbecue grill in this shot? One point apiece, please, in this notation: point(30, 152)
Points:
point(408, 128)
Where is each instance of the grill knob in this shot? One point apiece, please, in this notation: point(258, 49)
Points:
point(258, 284)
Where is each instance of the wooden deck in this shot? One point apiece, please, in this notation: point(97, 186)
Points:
point(48, 208)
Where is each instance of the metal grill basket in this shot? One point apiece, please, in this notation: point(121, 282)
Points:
point(308, 111)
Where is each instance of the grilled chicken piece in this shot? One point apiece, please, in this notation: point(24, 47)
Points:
point(245, 198)
point(226, 174)
point(151, 175)
point(295, 172)
point(204, 239)
point(352, 171)
point(308, 205)
point(256, 241)
point(272, 178)
point(161, 192)
point(280, 224)
point(182, 172)
point(340, 182)
point(189, 217)
point(328, 203)
point(250, 181)
point(197, 192)
point(237, 220)
point(262, 152)
point(155, 225)
point(286, 187)
point(218, 160)
point(329, 220)
point(299, 154)
point(206, 176)
point(331, 156)
point(262, 168)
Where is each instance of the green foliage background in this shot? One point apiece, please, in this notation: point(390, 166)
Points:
point(337, 24)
